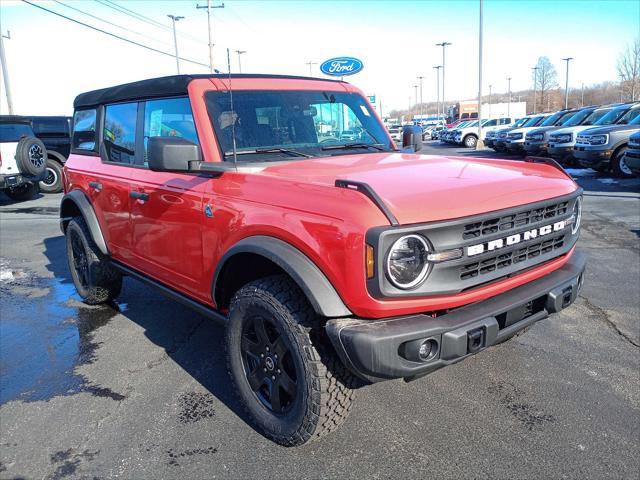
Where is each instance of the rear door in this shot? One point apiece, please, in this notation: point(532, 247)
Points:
point(166, 208)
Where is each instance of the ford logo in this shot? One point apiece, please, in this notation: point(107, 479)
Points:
point(340, 66)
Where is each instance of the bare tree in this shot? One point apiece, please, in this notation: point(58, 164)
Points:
point(545, 80)
point(629, 70)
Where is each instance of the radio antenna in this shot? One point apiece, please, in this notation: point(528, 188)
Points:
point(233, 124)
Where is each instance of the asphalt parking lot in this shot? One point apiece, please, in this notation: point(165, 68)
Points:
point(139, 389)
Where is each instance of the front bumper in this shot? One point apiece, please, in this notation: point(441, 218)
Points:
point(13, 180)
point(592, 156)
point(560, 152)
point(488, 142)
point(516, 146)
point(377, 350)
point(535, 148)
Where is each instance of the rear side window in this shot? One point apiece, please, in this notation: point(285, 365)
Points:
point(84, 130)
point(119, 133)
point(13, 132)
point(169, 117)
point(58, 127)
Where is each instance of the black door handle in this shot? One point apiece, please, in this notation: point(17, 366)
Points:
point(139, 196)
point(96, 186)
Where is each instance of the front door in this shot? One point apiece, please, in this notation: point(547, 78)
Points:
point(166, 209)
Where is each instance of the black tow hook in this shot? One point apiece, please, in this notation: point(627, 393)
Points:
point(476, 339)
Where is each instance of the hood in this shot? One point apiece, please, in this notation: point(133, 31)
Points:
point(609, 128)
point(424, 188)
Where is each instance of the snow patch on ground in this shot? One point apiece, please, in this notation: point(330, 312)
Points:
point(581, 172)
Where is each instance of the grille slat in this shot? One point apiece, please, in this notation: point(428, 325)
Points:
point(507, 259)
point(513, 221)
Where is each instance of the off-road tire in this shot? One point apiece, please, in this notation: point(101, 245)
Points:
point(618, 166)
point(100, 282)
point(31, 156)
point(325, 388)
point(52, 183)
point(26, 191)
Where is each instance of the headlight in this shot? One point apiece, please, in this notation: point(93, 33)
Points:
point(564, 138)
point(407, 264)
point(536, 137)
point(599, 139)
point(577, 215)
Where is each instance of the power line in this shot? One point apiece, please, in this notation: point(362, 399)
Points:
point(108, 22)
point(113, 34)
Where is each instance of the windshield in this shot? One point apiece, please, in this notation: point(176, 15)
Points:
point(303, 123)
point(520, 122)
point(635, 121)
point(534, 121)
point(612, 117)
point(578, 118)
point(554, 119)
point(629, 116)
point(13, 132)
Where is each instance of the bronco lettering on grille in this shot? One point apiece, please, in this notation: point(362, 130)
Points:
point(514, 239)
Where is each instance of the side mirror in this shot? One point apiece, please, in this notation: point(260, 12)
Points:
point(412, 138)
point(172, 154)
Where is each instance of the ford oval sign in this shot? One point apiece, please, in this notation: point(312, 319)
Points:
point(337, 67)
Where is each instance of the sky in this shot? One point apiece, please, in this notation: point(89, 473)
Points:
point(51, 59)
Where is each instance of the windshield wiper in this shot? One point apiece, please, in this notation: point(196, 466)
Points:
point(346, 146)
point(268, 150)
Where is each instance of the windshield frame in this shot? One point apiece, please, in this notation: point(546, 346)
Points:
point(309, 150)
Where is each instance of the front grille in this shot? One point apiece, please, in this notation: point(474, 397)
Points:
point(507, 259)
point(516, 220)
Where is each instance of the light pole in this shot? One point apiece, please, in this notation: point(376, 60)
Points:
point(5, 72)
point(420, 78)
point(437, 68)
point(582, 96)
point(240, 52)
point(490, 100)
point(311, 64)
point(535, 87)
point(509, 104)
point(415, 94)
point(174, 19)
point(566, 85)
point(443, 45)
point(479, 142)
point(209, 7)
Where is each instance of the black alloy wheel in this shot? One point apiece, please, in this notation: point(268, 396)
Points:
point(268, 365)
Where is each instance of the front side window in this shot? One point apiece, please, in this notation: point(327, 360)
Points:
point(629, 116)
point(84, 130)
point(13, 132)
point(168, 117)
point(119, 133)
point(288, 124)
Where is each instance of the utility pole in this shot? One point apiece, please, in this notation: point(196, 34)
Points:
point(420, 78)
point(209, 7)
point(535, 85)
point(490, 100)
point(566, 85)
point(174, 19)
point(311, 64)
point(5, 72)
point(509, 104)
point(438, 67)
point(240, 52)
point(443, 45)
point(479, 142)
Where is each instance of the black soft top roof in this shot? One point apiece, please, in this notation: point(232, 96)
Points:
point(159, 87)
point(14, 119)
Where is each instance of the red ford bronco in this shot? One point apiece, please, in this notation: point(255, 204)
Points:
point(333, 262)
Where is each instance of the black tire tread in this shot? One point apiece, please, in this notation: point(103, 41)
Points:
point(332, 384)
point(108, 281)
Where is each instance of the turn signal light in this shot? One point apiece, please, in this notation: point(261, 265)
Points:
point(369, 262)
point(437, 257)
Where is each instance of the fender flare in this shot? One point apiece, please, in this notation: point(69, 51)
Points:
point(317, 288)
point(83, 204)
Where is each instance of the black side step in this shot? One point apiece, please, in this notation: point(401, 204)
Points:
point(369, 192)
point(172, 294)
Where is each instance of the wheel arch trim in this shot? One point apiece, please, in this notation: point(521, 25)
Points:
point(83, 204)
point(305, 273)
